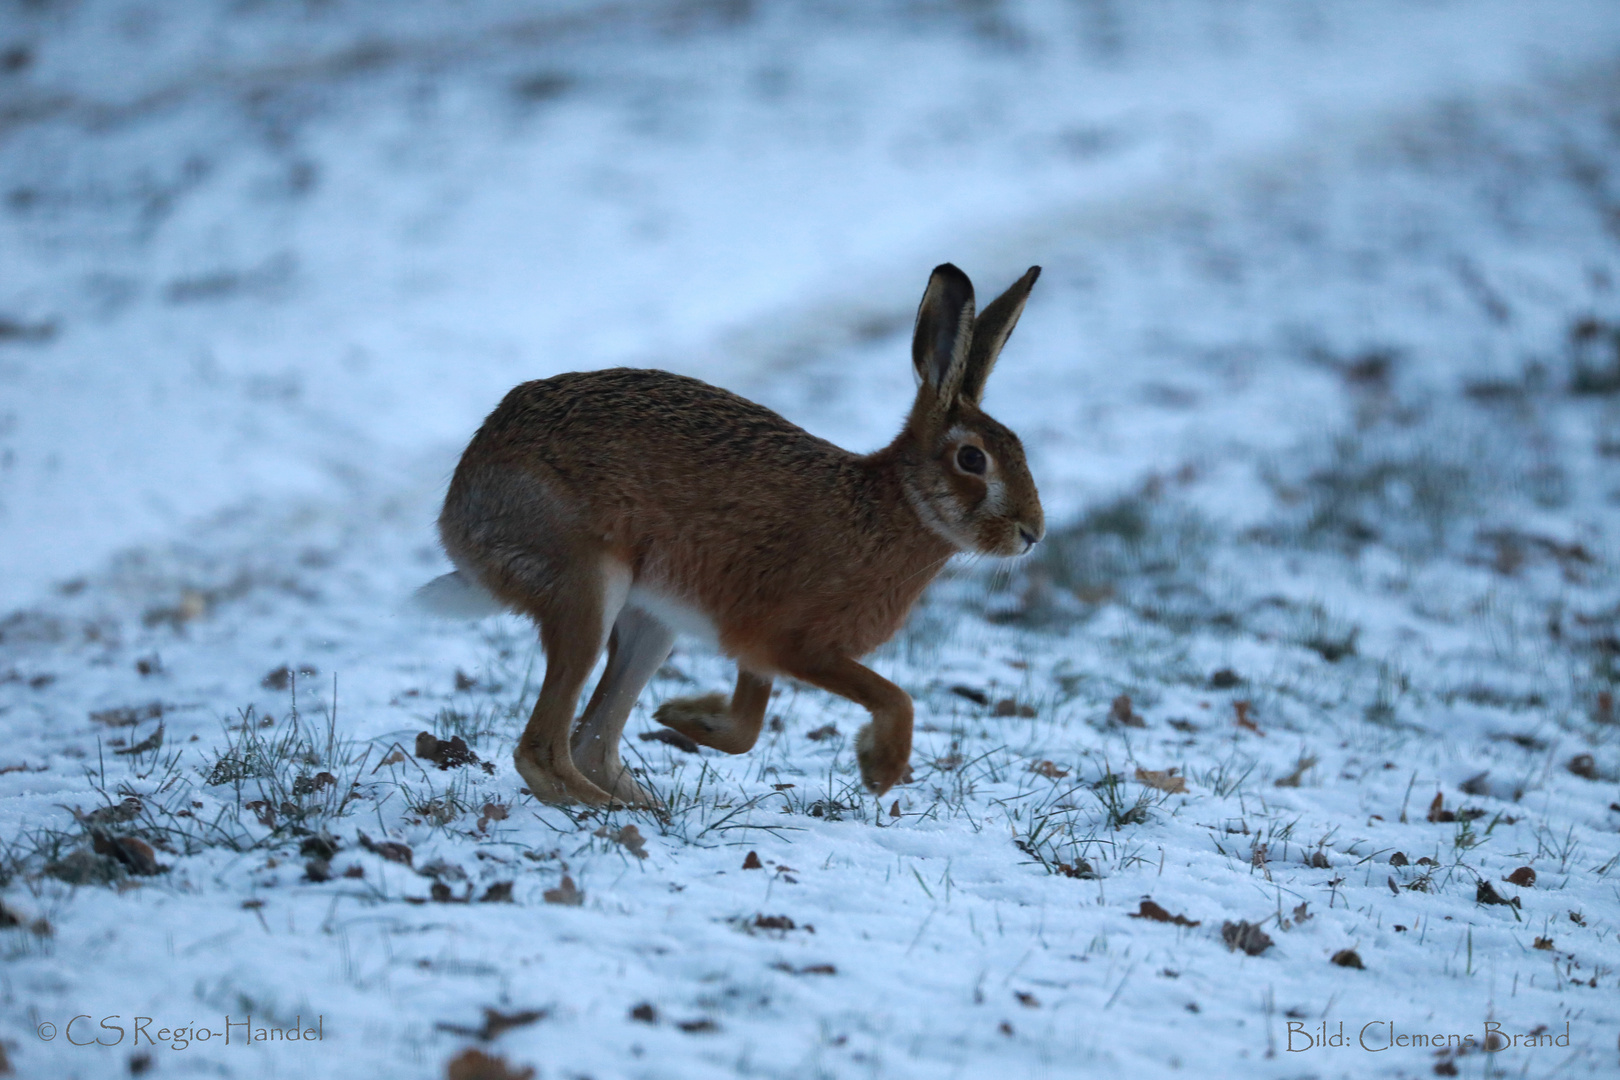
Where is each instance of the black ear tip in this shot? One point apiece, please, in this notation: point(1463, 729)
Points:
point(955, 288)
point(1033, 273)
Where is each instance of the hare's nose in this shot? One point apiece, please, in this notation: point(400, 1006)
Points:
point(1029, 537)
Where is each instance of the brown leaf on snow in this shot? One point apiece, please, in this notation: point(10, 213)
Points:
point(136, 855)
point(566, 893)
point(1149, 910)
point(1241, 718)
point(1523, 877)
point(1398, 859)
point(388, 849)
point(629, 838)
point(1120, 713)
point(825, 731)
point(1164, 780)
point(492, 811)
point(451, 753)
point(1301, 767)
point(477, 1065)
point(1348, 958)
point(1049, 770)
point(751, 861)
point(1581, 765)
point(128, 715)
point(1246, 936)
point(153, 741)
point(1438, 814)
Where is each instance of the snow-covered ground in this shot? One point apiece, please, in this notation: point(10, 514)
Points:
point(1321, 386)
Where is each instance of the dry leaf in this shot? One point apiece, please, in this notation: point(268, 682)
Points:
point(698, 1027)
point(1438, 814)
point(825, 731)
point(1241, 709)
point(566, 894)
point(1583, 766)
point(136, 855)
point(492, 811)
point(1544, 943)
point(1524, 877)
point(153, 741)
point(1348, 958)
point(451, 753)
point(388, 849)
point(751, 862)
point(1398, 859)
point(1149, 910)
point(1301, 767)
point(629, 838)
point(477, 1065)
point(1049, 770)
point(1120, 713)
point(129, 715)
point(1165, 780)
point(1246, 936)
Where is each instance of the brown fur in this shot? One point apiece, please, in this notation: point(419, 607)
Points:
point(803, 556)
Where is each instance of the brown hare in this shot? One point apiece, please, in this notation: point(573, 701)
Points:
point(618, 507)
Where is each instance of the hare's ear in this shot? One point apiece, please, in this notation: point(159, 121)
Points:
point(990, 333)
point(939, 349)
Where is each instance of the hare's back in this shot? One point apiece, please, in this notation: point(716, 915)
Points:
point(651, 425)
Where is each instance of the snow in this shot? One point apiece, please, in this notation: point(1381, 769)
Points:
point(1299, 386)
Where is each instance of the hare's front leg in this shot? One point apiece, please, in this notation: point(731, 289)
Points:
point(638, 645)
point(883, 747)
point(710, 720)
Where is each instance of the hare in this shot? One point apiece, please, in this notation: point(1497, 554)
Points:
point(617, 507)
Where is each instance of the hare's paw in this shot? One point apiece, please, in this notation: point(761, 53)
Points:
point(559, 783)
point(700, 719)
point(882, 765)
point(615, 779)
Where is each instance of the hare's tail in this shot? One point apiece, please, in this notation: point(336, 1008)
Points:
point(456, 596)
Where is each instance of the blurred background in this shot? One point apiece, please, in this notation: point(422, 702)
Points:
point(265, 266)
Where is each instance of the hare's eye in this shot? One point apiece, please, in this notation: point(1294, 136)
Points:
point(970, 459)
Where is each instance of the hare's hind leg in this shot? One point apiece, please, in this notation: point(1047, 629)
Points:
point(710, 720)
point(638, 645)
point(883, 747)
point(574, 617)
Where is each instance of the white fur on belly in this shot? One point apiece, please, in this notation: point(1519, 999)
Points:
point(679, 615)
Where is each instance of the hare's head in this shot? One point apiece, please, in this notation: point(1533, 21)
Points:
point(967, 477)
